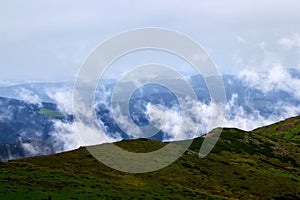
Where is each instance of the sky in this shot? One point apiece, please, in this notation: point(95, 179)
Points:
point(49, 40)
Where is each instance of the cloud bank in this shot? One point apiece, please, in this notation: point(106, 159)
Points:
point(276, 79)
point(62, 97)
point(200, 116)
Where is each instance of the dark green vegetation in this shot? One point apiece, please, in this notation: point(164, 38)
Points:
point(262, 164)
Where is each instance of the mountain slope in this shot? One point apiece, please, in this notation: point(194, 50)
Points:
point(288, 129)
point(243, 165)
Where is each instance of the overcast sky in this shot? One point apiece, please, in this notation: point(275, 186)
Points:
point(49, 39)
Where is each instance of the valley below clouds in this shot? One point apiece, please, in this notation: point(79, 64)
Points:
point(252, 100)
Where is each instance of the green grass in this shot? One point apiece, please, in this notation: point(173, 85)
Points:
point(49, 113)
point(243, 165)
point(287, 129)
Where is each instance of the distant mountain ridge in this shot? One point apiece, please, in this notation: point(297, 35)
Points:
point(24, 120)
point(36, 88)
point(25, 128)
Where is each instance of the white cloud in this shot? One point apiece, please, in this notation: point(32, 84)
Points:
point(275, 79)
point(126, 124)
point(198, 118)
point(49, 33)
point(290, 42)
point(31, 149)
point(93, 135)
point(286, 110)
point(237, 117)
point(65, 136)
point(168, 119)
point(241, 39)
point(62, 97)
point(90, 130)
point(71, 135)
point(29, 96)
point(205, 117)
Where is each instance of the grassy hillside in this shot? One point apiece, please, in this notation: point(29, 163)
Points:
point(288, 129)
point(243, 165)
